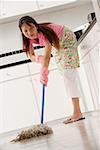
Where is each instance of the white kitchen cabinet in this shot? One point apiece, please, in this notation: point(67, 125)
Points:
point(94, 60)
point(10, 37)
point(48, 4)
point(18, 106)
point(56, 104)
point(89, 88)
point(1, 108)
point(96, 5)
point(13, 8)
point(12, 73)
point(89, 60)
point(91, 40)
point(93, 37)
point(55, 94)
point(34, 68)
point(13, 58)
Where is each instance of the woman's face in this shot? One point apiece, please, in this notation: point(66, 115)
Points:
point(30, 31)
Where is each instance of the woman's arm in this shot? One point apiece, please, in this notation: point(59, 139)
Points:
point(45, 63)
point(31, 54)
point(47, 54)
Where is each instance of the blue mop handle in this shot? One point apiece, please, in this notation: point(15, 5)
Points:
point(43, 98)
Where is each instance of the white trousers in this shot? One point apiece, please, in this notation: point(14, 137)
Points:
point(70, 77)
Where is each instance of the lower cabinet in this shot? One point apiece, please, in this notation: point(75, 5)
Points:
point(56, 104)
point(21, 98)
point(21, 101)
point(18, 108)
point(89, 72)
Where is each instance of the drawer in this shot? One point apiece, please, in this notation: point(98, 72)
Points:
point(13, 72)
point(93, 36)
point(91, 40)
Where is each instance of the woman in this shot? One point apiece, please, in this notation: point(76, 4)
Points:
point(65, 53)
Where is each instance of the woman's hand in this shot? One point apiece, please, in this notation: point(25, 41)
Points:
point(39, 59)
point(31, 54)
point(45, 63)
point(44, 75)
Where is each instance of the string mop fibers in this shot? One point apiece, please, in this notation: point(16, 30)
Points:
point(35, 130)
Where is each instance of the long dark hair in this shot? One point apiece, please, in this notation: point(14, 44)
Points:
point(42, 27)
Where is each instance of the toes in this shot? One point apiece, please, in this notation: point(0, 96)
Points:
point(71, 120)
point(68, 121)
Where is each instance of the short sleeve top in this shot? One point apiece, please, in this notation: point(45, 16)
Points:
point(58, 29)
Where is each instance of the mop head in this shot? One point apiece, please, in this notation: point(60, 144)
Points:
point(35, 131)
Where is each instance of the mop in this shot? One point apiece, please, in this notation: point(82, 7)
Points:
point(35, 130)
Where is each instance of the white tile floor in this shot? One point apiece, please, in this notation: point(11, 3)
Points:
point(82, 135)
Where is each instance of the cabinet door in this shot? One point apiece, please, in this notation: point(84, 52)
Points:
point(88, 86)
point(13, 73)
point(48, 4)
point(94, 60)
point(18, 104)
point(89, 74)
point(35, 67)
point(13, 8)
point(83, 50)
point(56, 104)
point(91, 40)
point(1, 109)
point(93, 37)
point(10, 37)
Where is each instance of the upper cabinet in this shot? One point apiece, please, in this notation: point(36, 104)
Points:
point(13, 8)
point(48, 4)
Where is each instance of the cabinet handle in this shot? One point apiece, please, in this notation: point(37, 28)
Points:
point(84, 46)
point(8, 74)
